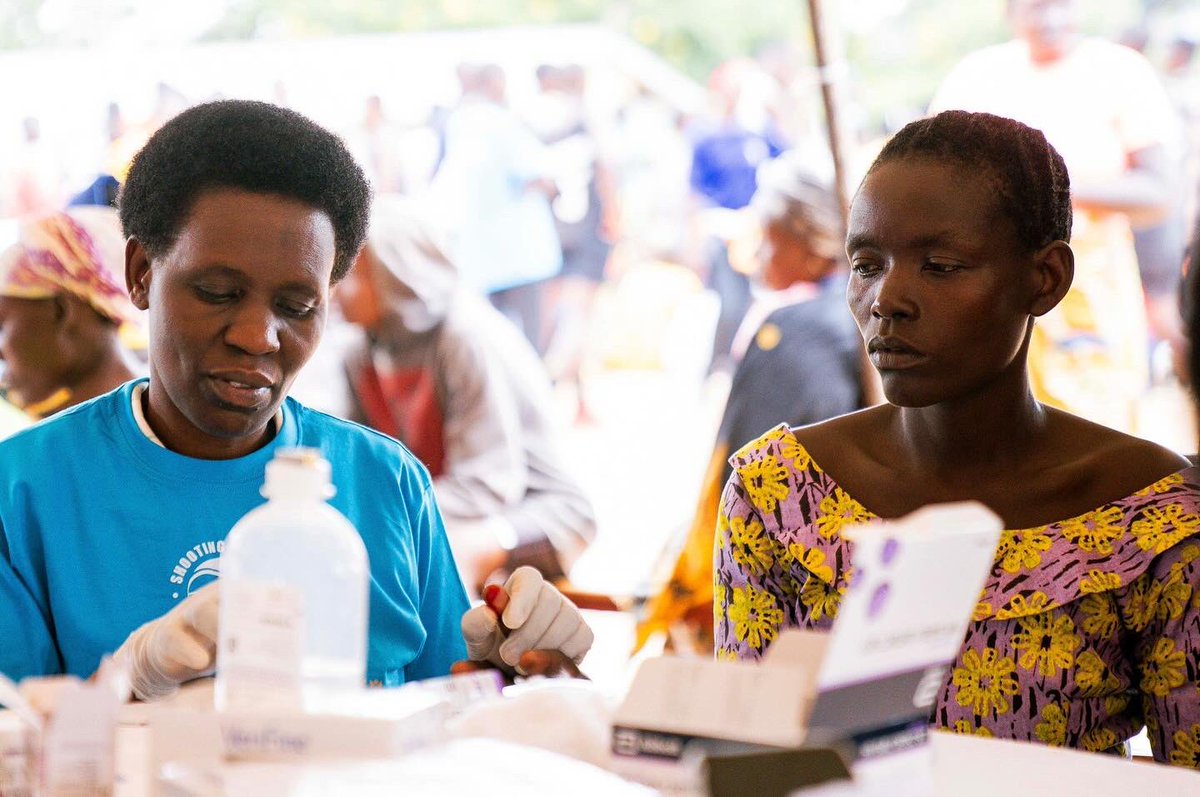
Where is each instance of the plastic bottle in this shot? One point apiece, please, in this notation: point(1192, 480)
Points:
point(294, 590)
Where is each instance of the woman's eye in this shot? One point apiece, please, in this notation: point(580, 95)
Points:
point(864, 268)
point(214, 295)
point(940, 267)
point(297, 309)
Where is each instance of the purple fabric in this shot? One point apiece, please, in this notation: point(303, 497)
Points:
point(1087, 629)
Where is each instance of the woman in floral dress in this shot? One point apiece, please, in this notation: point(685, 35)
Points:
point(1088, 626)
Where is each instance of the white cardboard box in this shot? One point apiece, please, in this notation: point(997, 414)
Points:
point(915, 585)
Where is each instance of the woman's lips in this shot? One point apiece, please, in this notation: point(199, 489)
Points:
point(895, 360)
point(239, 394)
point(891, 353)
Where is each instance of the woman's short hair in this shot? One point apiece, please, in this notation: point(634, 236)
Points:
point(1030, 178)
point(251, 146)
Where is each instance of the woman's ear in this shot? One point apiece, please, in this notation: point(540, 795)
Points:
point(1055, 264)
point(137, 273)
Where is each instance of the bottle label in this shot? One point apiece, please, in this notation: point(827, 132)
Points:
point(260, 660)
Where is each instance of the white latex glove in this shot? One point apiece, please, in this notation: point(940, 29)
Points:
point(537, 617)
point(177, 647)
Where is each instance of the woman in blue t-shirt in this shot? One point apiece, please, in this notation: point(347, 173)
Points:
point(240, 217)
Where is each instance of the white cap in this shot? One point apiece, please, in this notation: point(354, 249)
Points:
point(298, 473)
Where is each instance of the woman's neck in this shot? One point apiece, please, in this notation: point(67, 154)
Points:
point(993, 428)
point(112, 370)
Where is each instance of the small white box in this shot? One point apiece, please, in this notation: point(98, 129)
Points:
point(872, 679)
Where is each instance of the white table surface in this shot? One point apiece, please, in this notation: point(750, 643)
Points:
point(962, 765)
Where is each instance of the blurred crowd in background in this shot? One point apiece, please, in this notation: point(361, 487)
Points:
point(605, 206)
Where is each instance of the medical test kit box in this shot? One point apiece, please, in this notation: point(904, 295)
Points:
point(864, 689)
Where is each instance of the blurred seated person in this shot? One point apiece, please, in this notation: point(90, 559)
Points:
point(1088, 626)
point(63, 308)
point(797, 359)
point(445, 373)
point(240, 217)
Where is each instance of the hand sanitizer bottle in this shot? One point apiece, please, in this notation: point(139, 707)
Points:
point(294, 589)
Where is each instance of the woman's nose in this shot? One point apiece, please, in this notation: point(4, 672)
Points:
point(894, 297)
point(253, 330)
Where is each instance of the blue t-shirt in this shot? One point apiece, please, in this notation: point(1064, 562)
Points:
point(101, 530)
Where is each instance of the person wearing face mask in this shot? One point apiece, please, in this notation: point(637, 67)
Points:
point(65, 317)
point(797, 358)
point(240, 217)
point(448, 375)
point(1087, 627)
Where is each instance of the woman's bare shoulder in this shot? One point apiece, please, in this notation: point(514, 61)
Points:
point(845, 437)
point(1120, 461)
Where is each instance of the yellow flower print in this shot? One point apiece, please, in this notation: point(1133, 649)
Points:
point(985, 682)
point(755, 616)
point(1174, 595)
point(1052, 730)
point(766, 482)
point(798, 454)
point(1095, 531)
point(789, 585)
point(1142, 603)
point(1099, 739)
point(1153, 726)
point(759, 445)
point(1115, 705)
point(1020, 606)
point(965, 728)
point(1187, 748)
point(783, 557)
point(983, 610)
point(1161, 486)
point(1022, 550)
point(1162, 528)
point(1189, 555)
point(812, 560)
point(1099, 615)
point(750, 547)
point(1092, 675)
point(838, 511)
point(1162, 668)
point(821, 599)
point(1095, 581)
point(1047, 642)
point(726, 654)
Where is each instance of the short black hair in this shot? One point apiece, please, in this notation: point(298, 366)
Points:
point(1030, 178)
point(251, 146)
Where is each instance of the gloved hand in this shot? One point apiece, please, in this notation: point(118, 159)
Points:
point(536, 617)
point(177, 647)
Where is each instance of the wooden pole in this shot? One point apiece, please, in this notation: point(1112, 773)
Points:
point(872, 388)
point(826, 75)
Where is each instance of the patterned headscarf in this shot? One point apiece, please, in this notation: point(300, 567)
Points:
point(80, 251)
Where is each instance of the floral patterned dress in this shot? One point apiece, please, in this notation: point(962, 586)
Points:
point(1086, 630)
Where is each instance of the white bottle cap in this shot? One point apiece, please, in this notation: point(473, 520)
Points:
point(298, 473)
